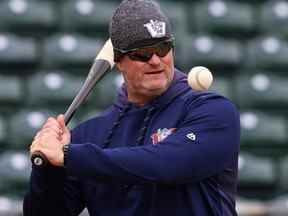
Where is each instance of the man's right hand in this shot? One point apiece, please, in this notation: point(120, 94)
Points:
point(50, 140)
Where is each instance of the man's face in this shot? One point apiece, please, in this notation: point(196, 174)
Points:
point(147, 80)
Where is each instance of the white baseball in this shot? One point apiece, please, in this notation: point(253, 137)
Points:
point(200, 78)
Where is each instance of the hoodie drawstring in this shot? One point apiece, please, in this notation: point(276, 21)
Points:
point(144, 128)
point(115, 126)
point(142, 132)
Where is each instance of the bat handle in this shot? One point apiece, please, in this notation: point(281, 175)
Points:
point(39, 159)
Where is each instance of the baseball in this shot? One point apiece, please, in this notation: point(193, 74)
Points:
point(200, 78)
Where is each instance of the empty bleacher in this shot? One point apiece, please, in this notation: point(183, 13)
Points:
point(47, 48)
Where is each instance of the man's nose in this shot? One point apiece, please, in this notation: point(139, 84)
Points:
point(155, 60)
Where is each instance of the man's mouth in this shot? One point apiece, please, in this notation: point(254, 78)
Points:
point(155, 72)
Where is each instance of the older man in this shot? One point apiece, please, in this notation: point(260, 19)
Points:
point(160, 149)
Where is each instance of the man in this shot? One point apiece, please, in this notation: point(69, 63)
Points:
point(161, 149)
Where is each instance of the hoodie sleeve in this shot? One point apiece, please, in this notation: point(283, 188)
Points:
point(205, 144)
point(52, 192)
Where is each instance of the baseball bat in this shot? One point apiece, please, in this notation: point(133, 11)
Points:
point(103, 63)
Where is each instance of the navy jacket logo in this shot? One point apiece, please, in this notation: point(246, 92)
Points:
point(161, 134)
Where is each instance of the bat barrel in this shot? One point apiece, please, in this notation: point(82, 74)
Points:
point(97, 72)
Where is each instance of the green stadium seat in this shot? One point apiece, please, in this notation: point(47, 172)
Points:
point(70, 50)
point(267, 52)
point(262, 90)
point(27, 15)
point(87, 15)
point(15, 170)
point(251, 207)
point(11, 90)
point(23, 126)
point(263, 130)
point(10, 206)
point(256, 172)
point(105, 92)
point(3, 132)
point(278, 206)
point(50, 88)
point(223, 86)
point(176, 12)
point(273, 17)
point(253, 2)
point(223, 17)
point(284, 173)
point(211, 51)
point(17, 51)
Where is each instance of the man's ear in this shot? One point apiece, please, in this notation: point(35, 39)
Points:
point(119, 66)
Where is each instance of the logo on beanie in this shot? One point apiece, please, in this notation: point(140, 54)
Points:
point(156, 28)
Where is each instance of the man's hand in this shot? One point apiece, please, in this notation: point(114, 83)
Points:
point(50, 140)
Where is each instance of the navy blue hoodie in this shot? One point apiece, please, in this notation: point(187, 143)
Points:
point(175, 156)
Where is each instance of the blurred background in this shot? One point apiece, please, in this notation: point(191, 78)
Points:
point(47, 47)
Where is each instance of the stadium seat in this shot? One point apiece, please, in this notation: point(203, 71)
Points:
point(284, 173)
point(273, 17)
point(15, 170)
point(17, 51)
point(223, 86)
point(11, 90)
point(251, 207)
point(176, 12)
point(87, 15)
point(106, 91)
point(262, 90)
point(24, 125)
point(211, 51)
point(267, 52)
point(256, 172)
point(70, 50)
point(3, 132)
point(27, 15)
point(278, 206)
point(10, 206)
point(52, 88)
point(262, 130)
point(223, 17)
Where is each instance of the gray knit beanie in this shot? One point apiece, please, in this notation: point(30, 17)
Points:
point(138, 23)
